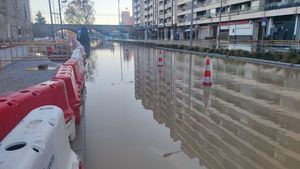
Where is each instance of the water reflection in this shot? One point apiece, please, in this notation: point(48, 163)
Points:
point(90, 67)
point(248, 119)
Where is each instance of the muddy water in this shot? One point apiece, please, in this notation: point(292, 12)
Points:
point(141, 116)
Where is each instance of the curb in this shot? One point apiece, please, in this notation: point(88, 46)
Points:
point(252, 60)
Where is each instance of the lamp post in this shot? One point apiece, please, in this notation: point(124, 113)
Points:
point(61, 26)
point(192, 23)
point(219, 25)
point(119, 18)
point(51, 18)
point(172, 21)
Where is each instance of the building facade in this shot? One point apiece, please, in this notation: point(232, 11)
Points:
point(15, 20)
point(126, 18)
point(237, 19)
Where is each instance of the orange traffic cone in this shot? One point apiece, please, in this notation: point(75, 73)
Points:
point(160, 61)
point(207, 80)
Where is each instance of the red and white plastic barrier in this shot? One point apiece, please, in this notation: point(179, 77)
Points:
point(66, 74)
point(77, 64)
point(14, 107)
point(39, 141)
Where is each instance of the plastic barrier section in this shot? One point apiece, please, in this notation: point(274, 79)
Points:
point(14, 107)
point(78, 69)
point(39, 141)
point(66, 74)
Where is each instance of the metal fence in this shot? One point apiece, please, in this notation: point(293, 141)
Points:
point(35, 50)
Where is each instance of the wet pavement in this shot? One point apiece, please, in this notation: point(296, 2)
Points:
point(139, 115)
point(21, 74)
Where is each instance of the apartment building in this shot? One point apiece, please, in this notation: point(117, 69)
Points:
point(126, 18)
point(237, 19)
point(15, 20)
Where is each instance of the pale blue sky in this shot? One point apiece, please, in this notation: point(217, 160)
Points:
point(106, 10)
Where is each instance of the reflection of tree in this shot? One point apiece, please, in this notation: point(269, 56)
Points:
point(91, 67)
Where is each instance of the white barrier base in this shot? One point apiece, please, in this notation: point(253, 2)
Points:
point(71, 129)
point(39, 141)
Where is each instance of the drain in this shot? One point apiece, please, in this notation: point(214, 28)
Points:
point(15, 146)
point(42, 67)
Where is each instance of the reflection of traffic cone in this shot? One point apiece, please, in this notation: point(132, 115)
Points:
point(207, 81)
point(160, 61)
point(127, 52)
point(160, 70)
point(206, 93)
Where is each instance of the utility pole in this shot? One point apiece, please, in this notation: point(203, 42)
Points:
point(61, 26)
point(119, 18)
point(192, 23)
point(147, 28)
point(172, 22)
point(164, 20)
point(219, 25)
point(51, 18)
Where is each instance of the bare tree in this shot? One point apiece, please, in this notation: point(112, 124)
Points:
point(80, 12)
point(39, 18)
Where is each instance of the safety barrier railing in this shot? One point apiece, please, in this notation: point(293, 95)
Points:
point(35, 50)
point(24, 108)
point(39, 141)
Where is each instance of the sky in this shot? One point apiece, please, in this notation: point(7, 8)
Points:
point(106, 10)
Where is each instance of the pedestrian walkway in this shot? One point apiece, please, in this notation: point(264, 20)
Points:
point(243, 45)
point(16, 76)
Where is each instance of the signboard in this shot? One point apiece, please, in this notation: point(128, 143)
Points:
point(264, 21)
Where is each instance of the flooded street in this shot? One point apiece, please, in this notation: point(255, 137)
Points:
point(142, 116)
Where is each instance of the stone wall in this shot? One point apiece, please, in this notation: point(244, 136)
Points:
point(15, 20)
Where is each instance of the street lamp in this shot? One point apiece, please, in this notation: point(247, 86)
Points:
point(219, 25)
point(61, 26)
point(192, 22)
point(51, 18)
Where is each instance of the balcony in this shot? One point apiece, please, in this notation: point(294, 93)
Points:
point(181, 20)
point(279, 5)
point(234, 12)
point(168, 5)
point(179, 2)
point(168, 14)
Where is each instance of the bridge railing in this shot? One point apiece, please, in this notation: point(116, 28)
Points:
point(35, 50)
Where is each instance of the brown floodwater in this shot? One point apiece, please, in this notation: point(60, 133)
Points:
point(142, 116)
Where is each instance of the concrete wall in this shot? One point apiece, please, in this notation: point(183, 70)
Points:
point(15, 20)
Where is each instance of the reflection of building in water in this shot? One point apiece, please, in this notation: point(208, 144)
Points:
point(246, 121)
point(127, 53)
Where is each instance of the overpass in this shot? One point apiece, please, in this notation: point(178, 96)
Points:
point(43, 30)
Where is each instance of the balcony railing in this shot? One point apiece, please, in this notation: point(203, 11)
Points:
point(234, 12)
point(279, 5)
point(181, 20)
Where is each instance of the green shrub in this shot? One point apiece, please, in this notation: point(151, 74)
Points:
point(211, 50)
point(180, 46)
point(202, 49)
point(293, 56)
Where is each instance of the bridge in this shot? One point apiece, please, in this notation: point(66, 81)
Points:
point(43, 30)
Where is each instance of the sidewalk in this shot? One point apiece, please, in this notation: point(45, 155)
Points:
point(243, 45)
point(14, 76)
